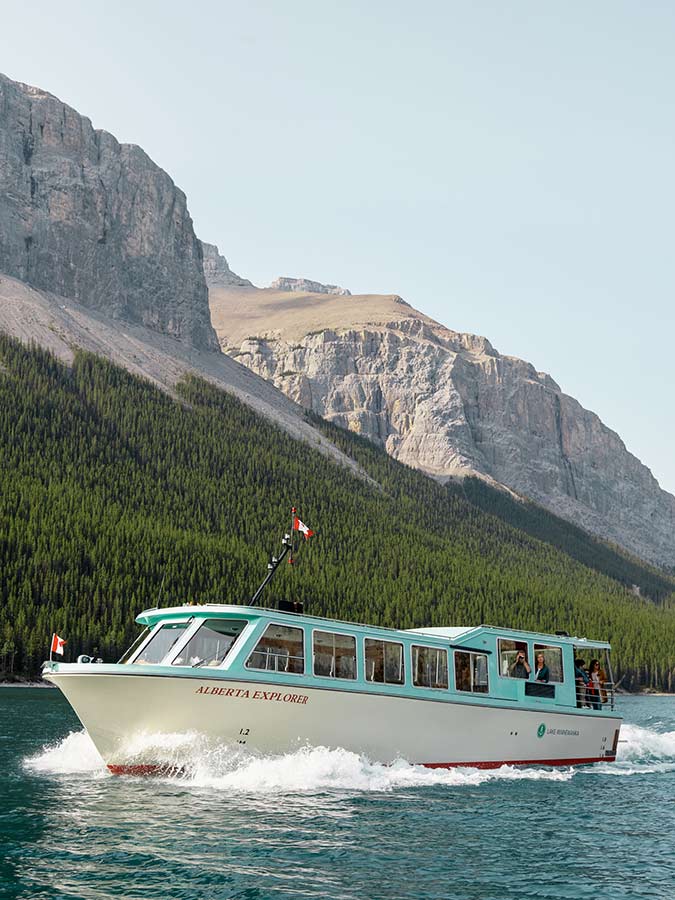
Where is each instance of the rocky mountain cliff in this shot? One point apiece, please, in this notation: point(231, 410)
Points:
point(91, 219)
point(217, 271)
point(93, 233)
point(449, 404)
point(305, 285)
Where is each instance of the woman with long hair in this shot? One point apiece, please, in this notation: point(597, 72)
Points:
point(541, 672)
point(594, 685)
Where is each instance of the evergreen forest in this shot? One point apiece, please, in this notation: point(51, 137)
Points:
point(116, 497)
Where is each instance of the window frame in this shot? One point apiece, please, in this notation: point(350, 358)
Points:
point(508, 676)
point(270, 623)
point(139, 641)
point(542, 649)
point(180, 620)
point(471, 653)
point(378, 640)
point(200, 622)
point(413, 668)
point(355, 677)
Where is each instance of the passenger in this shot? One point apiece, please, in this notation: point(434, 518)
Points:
point(462, 672)
point(581, 679)
point(521, 667)
point(541, 672)
point(593, 689)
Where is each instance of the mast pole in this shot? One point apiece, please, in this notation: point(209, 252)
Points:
point(272, 566)
point(274, 563)
point(293, 512)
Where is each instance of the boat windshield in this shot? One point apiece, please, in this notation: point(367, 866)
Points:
point(211, 643)
point(160, 643)
point(134, 647)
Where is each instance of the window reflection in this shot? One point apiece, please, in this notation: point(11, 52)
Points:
point(210, 645)
point(160, 644)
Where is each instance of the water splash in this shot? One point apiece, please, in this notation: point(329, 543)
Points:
point(74, 754)
point(641, 743)
point(196, 762)
point(192, 760)
point(641, 751)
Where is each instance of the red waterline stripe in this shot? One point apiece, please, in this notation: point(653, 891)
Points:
point(154, 769)
point(582, 761)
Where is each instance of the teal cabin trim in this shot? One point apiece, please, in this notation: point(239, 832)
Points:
point(484, 641)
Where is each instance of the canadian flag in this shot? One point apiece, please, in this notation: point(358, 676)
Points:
point(57, 644)
point(302, 528)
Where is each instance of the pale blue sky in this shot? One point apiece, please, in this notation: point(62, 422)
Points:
point(507, 167)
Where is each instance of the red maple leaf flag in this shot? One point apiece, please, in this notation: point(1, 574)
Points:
point(302, 528)
point(57, 644)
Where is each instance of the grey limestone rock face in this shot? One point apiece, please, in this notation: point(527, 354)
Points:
point(217, 271)
point(97, 221)
point(451, 405)
point(304, 285)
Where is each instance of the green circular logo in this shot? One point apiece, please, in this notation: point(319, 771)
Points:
point(541, 731)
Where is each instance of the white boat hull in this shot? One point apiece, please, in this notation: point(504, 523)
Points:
point(119, 710)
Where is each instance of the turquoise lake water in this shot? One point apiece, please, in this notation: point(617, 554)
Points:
point(328, 824)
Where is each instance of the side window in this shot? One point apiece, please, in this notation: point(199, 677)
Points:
point(514, 659)
point(211, 643)
point(334, 655)
point(548, 663)
point(160, 643)
point(280, 649)
point(430, 667)
point(384, 662)
point(471, 672)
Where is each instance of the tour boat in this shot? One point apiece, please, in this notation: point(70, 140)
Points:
point(275, 680)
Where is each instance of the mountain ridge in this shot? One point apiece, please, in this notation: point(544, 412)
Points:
point(98, 251)
point(448, 403)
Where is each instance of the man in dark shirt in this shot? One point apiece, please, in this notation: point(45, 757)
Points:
point(521, 667)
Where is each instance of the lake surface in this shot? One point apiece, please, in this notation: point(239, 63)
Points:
point(327, 823)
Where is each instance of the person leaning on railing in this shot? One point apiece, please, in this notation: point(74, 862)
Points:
point(593, 688)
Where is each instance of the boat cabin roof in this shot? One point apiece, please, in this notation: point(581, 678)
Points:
point(451, 633)
point(151, 617)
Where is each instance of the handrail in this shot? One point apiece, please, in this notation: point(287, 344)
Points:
point(589, 698)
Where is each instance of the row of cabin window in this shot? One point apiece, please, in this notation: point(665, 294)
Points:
point(281, 649)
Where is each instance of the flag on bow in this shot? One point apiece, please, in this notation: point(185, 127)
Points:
point(57, 644)
point(302, 528)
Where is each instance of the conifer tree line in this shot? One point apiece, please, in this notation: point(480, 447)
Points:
point(111, 490)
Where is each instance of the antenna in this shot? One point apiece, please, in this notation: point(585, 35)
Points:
point(272, 566)
point(287, 547)
point(161, 587)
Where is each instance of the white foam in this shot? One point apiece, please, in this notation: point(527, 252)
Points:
point(308, 770)
point(72, 755)
point(195, 761)
point(319, 769)
point(638, 743)
point(641, 751)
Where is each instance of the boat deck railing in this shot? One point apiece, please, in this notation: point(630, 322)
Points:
point(589, 698)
